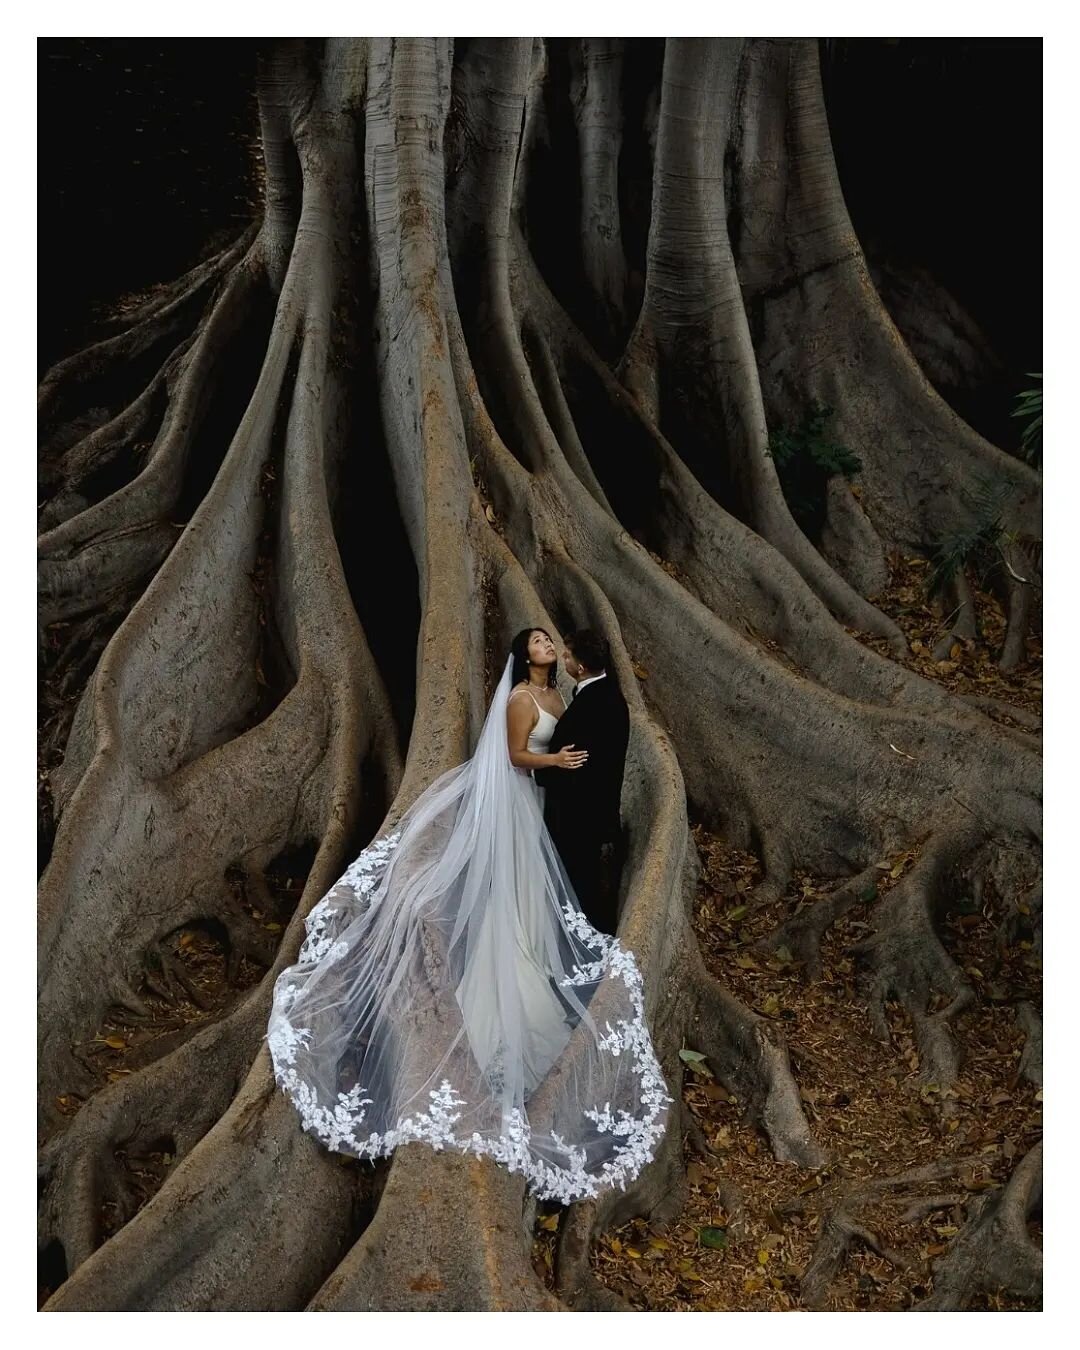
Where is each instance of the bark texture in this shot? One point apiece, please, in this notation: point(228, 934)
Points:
point(503, 350)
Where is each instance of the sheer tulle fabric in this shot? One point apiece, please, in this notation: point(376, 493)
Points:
point(451, 991)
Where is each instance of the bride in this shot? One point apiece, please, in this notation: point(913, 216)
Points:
point(450, 990)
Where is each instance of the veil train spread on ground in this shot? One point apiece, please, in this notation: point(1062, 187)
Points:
point(442, 978)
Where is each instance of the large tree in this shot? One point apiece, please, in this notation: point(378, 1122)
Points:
point(504, 349)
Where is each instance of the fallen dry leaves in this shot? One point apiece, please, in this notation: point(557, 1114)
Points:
point(864, 1099)
point(970, 667)
point(865, 1105)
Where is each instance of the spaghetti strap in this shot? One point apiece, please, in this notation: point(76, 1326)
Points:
point(534, 699)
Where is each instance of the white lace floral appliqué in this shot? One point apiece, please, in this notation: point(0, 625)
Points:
point(339, 1124)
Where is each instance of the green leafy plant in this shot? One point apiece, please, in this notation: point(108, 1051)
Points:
point(977, 547)
point(1029, 405)
point(806, 459)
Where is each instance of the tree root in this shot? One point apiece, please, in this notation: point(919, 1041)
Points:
point(1019, 606)
point(691, 343)
point(756, 591)
point(77, 377)
point(840, 1202)
point(803, 933)
point(284, 1209)
point(1030, 1023)
point(840, 1232)
point(993, 1253)
point(113, 544)
point(172, 1097)
point(749, 1056)
point(405, 1263)
point(909, 961)
point(156, 762)
point(183, 764)
point(209, 269)
point(960, 620)
point(998, 707)
point(100, 454)
point(796, 280)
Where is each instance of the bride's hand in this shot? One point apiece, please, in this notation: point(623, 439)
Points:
point(569, 758)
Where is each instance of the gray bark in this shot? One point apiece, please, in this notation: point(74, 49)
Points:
point(243, 702)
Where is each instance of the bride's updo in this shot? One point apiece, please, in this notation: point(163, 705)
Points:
point(519, 650)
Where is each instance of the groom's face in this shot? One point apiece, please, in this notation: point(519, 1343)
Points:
point(571, 665)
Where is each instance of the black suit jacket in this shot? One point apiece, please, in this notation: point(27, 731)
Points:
point(584, 803)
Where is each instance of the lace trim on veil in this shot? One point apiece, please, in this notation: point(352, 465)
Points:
point(339, 1124)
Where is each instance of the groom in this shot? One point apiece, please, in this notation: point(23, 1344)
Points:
point(581, 806)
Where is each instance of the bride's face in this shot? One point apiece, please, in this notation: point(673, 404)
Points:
point(541, 649)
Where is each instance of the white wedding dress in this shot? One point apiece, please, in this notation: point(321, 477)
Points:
point(450, 991)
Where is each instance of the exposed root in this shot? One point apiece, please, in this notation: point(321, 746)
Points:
point(919, 459)
point(909, 961)
point(113, 544)
point(1020, 604)
point(101, 455)
point(959, 611)
point(778, 864)
point(693, 330)
point(999, 708)
point(160, 761)
point(173, 1098)
point(78, 377)
point(928, 1204)
point(993, 1253)
point(193, 760)
point(403, 1262)
point(1030, 1023)
point(840, 1232)
point(803, 933)
point(596, 93)
point(256, 1187)
point(131, 310)
point(659, 502)
point(750, 1058)
point(840, 1203)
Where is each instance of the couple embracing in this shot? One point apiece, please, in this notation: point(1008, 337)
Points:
point(460, 985)
point(588, 739)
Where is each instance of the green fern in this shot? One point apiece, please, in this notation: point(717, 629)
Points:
point(806, 459)
point(1029, 405)
point(979, 546)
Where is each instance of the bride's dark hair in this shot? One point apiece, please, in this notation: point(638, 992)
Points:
point(519, 650)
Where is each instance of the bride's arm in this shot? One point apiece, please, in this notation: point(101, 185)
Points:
point(521, 717)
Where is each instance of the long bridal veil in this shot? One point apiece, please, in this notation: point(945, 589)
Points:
point(450, 990)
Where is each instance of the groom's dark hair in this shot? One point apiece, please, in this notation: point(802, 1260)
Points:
point(592, 650)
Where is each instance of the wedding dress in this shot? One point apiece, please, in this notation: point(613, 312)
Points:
point(451, 991)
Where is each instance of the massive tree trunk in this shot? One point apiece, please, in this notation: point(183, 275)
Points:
point(504, 349)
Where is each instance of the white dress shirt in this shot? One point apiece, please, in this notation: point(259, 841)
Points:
point(581, 685)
